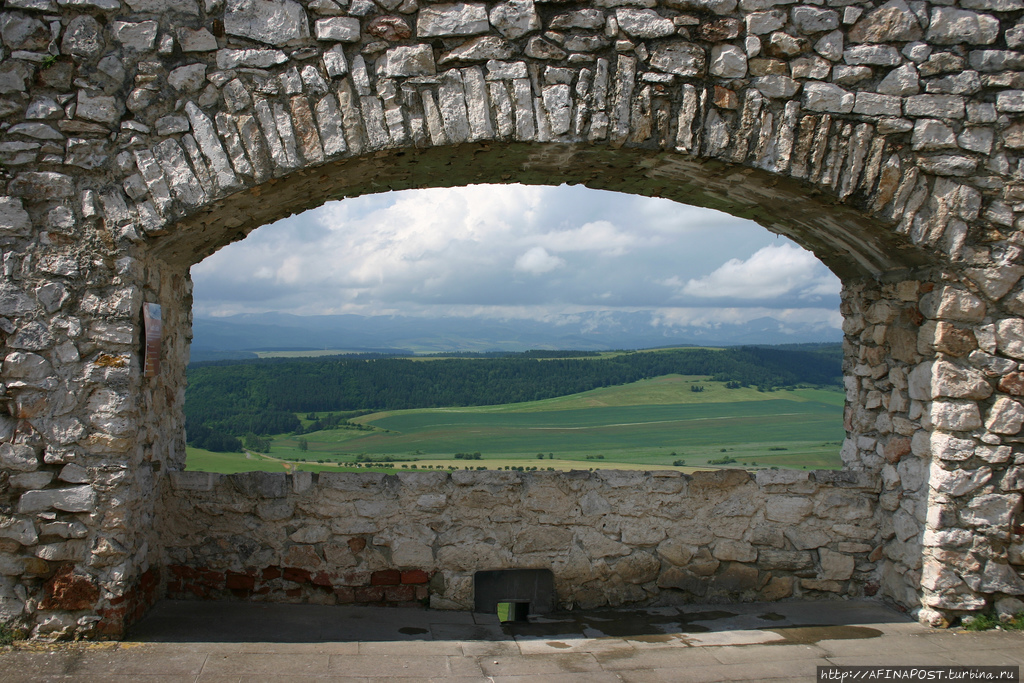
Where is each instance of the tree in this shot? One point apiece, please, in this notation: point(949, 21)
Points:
point(303, 444)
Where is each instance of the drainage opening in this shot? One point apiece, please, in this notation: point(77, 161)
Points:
point(516, 591)
point(513, 610)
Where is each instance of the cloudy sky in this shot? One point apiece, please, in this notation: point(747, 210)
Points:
point(515, 251)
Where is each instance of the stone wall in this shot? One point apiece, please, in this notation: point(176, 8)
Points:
point(137, 138)
point(610, 537)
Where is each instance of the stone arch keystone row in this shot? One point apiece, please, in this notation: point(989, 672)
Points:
point(138, 137)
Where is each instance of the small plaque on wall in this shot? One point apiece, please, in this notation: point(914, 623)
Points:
point(153, 328)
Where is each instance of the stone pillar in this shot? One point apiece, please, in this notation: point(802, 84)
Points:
point(972, 541)
point(85, 435)
point(887, 419)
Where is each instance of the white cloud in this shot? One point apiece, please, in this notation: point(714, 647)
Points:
point(514, 251)
point(771, 273)
point(538, 261)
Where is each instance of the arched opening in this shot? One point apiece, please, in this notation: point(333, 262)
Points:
point(715, 536)
point(514, 268)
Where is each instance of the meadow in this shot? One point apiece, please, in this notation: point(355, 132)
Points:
point(665, 422)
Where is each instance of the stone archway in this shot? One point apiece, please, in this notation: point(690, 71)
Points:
point(142, 137)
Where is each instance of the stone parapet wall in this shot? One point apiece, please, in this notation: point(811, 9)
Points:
point(610, 537)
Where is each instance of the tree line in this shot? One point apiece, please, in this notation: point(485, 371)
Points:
point(225, 401)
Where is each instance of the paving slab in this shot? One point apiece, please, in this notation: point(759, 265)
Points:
point(234, 642)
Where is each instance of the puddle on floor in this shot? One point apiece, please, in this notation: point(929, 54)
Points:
point(808, 635)
point(668, 625)
point(642, 625)
point(412, 630)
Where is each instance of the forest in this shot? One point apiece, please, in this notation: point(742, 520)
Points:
point(228, 400)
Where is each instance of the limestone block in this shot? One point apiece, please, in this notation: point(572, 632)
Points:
point(999, 577)
point(83, 37)
point(542, 538)
point(953, 381)
point(785, 560)
point(587, 19)
point(338, 29)
point(676, 552)
point(776, 86)
point(827, 97)
point(814, 20)
point(949, 26)
point(901, 81)
point(892, 22)
point(458, 19)
point(24, 32)
point(738, 551)
point(188, 79)
point(515, 18)
point(1008, 608)
point(639, 567)
point(761, 23)
point(598, 545)
point(196, 40)
point(644, 23)
point(991, 509)
point(1005, 417)
point(935, 106)
point(1010, 337)
point(806, 538)
point(955, 416)
point(874, 55)
point(140, 36)
point(679, 58)
point(938, 577)
point(73, 499)
point(958, 482)
point(835, 566)
point(931, 134)
point(728, 61)
point(274, 22)
point(253, 58)
point(479, 49)
point(787, 509)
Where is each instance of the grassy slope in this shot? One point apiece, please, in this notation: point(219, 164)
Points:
point(648, 423)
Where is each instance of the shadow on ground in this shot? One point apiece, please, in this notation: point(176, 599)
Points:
point(188, 621)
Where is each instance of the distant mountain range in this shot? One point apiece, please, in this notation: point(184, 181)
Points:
point(239, 336)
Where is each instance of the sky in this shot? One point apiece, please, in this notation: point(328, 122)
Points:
point(516, 251)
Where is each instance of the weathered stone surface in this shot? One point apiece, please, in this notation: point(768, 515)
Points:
point(1005, 417)
point(1010, 337)
point(728, 61)
point(140, 36)
point(515, 18)
point(826, 97)
point(83, 37)
point(74, 499)
point(459, 19)
point(893, 21)
point(948, 26)
point(644, 23)
point(415, 60)
point(679, 58)
point(274, 22)
point(338, 29)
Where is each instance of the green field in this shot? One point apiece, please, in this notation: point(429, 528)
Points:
point(652, 423)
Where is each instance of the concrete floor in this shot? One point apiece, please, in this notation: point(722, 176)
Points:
point(214, 642)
